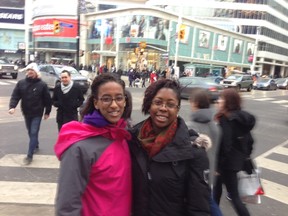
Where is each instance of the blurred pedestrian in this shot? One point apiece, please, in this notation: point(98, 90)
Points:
point(202, 121)
point(235, 148)
point(153, 77)
point(35, 101)
point(95, 164)
point(67, 97)
point(167, 180)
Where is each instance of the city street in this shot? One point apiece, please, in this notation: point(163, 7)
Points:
point(30, 190)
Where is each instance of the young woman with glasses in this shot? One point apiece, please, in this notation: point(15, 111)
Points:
point(167, 178)
point(95, 167)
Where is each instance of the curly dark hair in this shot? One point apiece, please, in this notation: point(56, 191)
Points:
point(152, 90)
point(99, 81)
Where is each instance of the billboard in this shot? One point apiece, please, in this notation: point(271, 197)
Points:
point(9, 39)
point(11, 16)
point(55, 28)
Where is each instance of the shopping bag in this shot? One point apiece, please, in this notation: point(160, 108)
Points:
point(250, 187)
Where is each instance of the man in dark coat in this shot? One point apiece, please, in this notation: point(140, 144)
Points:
point(35, 100)
point(67, 97)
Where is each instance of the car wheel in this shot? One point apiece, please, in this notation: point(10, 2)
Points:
point(249, 88)
point(14, 76)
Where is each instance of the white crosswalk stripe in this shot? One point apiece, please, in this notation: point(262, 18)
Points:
point(8, 82)
point(264, 99)
point(274, 190)
point(4, 83)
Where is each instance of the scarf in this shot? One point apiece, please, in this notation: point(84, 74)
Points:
point(95, 119)
point(153, 142)
point(66, 89)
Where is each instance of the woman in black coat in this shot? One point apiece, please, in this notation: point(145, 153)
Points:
point(168, 172)
point(235, 146)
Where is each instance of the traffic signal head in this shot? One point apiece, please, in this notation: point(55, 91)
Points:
point(182, 34)
point(57, 27)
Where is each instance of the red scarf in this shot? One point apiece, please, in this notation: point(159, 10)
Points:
point(153, 142)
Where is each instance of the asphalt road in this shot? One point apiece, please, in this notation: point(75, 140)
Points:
point(31, 190)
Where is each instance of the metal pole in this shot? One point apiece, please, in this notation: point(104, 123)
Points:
point(78, 36)
point(255, 50)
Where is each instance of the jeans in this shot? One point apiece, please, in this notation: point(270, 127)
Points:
point(33, 127)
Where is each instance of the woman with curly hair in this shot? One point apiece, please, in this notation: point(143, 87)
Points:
point(168, 171)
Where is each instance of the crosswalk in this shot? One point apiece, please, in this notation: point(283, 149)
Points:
point(44, 192)
point(274, 100)
point(7, 82)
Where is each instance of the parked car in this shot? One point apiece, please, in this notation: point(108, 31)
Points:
point(50, 74)
point(266, 84)
point(282, 83)
point(238, 81)
point(7, 68)
point(190, 84)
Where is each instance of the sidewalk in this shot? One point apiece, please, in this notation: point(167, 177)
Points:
point(26, 210)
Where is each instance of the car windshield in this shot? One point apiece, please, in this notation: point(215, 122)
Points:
point(234, 77)
point(263, 80)
point(189, 81)
point(280, 81)
point(4, 61)
point(72, 70)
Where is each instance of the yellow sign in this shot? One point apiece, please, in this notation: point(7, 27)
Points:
point(142, 44)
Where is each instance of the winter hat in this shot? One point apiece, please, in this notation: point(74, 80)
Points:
point(34, 67)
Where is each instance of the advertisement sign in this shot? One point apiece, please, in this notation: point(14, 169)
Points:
point(11, 16)
point(9, 39)
point(55, 28)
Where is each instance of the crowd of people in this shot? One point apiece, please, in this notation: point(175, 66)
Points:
point(164, 165)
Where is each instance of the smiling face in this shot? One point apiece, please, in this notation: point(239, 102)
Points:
point(65, 78)
point(111, 110)
point(164, 109)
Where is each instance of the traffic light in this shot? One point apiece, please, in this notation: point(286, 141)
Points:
point(57, 27)
point(182, 34)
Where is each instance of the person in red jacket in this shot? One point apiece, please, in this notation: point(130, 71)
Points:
point(153, 77)
point(95, 167)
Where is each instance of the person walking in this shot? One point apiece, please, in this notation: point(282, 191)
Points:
point(202, 121)
point(95, 164)
point(168, 177)
point(153, 77)
point(67, 97)
point(234, 150)
point(35, 101)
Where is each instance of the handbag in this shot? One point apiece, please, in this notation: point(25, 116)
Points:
point(249, 186)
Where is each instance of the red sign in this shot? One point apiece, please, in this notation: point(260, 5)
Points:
point(55, 28)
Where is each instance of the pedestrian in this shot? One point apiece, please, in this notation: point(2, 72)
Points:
point(67, 97)
point(153, 77)
point(35, 101)
point(166, 179)
point(95, 164)
point(202, 121)
point(131, 77)
point(235, 123)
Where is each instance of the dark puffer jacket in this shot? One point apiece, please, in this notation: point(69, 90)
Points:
point(34, 95)
point(172, 182)
point(237, 143)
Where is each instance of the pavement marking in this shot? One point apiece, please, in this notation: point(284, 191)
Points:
point(39, 161)
point(12, 81)
point(27, 192)
point(272, 165)
point(281, 150)
point(264, 99)
point(275, 191)
point(280, 101)
point(4, 83)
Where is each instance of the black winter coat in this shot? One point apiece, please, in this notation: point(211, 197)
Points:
point(34, 95)
point(67, 104)
point(236, 143)
point(172, 182)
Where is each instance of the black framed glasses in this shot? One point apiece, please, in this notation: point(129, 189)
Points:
point(169, 105)
point(107, 100)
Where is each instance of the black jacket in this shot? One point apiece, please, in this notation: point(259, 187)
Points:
point(34, 95)
point(172, 182)
point(236, 143)
point(68, 103)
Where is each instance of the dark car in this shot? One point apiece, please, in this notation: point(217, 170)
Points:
point(282, 83)
point(7, 68)
point(51, 75)
point(190, 84)
point(266, 84)
point(216, 79)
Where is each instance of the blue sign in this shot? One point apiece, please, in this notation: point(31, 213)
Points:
point(66, 25)
point(11, 16)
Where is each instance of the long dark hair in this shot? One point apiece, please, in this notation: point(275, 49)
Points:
point(99, 81)
point(152, 90)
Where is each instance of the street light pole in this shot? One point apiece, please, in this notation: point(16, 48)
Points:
point(78, 35)
point(255, 50)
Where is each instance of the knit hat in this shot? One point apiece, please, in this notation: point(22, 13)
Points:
point(34, 67)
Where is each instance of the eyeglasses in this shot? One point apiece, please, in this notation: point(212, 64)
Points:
point(107, 100)
point(168, 105)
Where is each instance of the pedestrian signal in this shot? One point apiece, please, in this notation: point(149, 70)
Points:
point(182, 34)
point(57, 27)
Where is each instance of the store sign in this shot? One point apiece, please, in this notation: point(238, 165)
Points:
point(55, 28)
point(11, 16)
